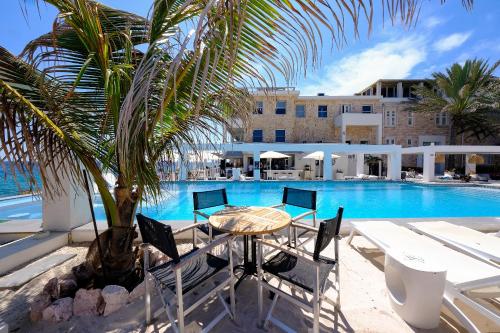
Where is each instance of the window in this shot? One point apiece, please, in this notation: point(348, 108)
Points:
point(259, 107)
point(280, 136)
point(300, 110)
point(410, 118)
point(345, 108)
point(390, 141)
point(322, 111)
point(281, 107)
point(390, 118)
point(441, 119)
point(409, 142)
point(257, 135)
point(367, 108)
point(363, 142)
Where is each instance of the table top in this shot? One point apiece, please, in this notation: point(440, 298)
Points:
point(250, 220)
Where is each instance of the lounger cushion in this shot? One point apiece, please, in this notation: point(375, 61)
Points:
point(298, 272)
point(204, 228)
point(198, 271)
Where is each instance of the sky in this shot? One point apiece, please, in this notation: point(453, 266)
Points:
point(444, 34)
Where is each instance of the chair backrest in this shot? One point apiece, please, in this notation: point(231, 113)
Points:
point(300, 198)
point(209, 199)
point(328, 229)
point(159, 235)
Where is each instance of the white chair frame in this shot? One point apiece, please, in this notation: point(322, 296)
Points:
point(176, 300)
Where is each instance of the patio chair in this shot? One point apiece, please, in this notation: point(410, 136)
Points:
point(184, 275)
point(299, 198)
point(470, 281)
point(204, 200)
point(300, 270)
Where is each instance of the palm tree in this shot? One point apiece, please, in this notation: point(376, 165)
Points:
point(468, 94)
point(111, 91)
point(372, 162)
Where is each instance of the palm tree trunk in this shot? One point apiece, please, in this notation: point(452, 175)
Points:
point(452, 141)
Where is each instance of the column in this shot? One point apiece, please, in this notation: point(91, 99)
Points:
point(327, 166)
point(400, 89)
point(68, 210)
point(379, 133)
point(343, 130)
point(379, 88)
point(394, 166)
point(429, 166)
point(470, 168)
point(360, 164)
point(256, 165)
point(183, 172)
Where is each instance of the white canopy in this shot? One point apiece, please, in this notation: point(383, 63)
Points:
point(318, 155)
point(273, 154)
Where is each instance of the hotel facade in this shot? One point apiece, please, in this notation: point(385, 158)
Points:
point(376, 115)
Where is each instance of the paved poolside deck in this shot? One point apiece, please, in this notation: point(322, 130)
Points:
point(365, 307)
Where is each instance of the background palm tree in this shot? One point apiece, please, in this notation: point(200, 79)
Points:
point(468, 94)
point(373, 163)
point(111, 91)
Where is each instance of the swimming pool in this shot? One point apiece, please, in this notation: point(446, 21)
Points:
point(360, 200)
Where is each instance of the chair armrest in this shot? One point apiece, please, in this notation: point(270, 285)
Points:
point(304, 226)
point(189, 227)
point(203, 250)
point(197, 212)
point(301, 216)
point(278, 206)
point(301, 255)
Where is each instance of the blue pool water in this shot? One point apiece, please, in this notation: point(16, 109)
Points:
point(360, 200)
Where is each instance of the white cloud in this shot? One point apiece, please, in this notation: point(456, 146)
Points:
point(433, 21)
point(452, 41)
point(388, 60)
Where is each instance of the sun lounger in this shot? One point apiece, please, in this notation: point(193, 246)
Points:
point(468, 280)
point(469, 241)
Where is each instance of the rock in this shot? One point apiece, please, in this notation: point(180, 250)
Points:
point(88, 302)
point(114, 297)
point(83, 274)
point(52, 288)
point(60, 310)
point(67, 288)
point(140, 290)
point(137, 292)
point(39, 303)
point(155, 256)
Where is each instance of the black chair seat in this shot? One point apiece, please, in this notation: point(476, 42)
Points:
point(193, 274)
point(298, 272)
point(204, 228)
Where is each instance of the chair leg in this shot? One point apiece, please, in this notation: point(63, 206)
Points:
point(270, 312)
point(180, 301)
point(316, 302)
point(232, 299)
point(259, 284)
point(147, 293)
point(351, 235)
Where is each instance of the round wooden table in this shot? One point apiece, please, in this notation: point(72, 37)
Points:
point(249, 222)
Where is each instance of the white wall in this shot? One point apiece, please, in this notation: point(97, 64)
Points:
point(67, 210)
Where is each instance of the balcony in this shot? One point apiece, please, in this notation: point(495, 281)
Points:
point(358, 119)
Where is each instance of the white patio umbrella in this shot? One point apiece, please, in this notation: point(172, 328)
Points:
point(319, 156)
point(272, 154)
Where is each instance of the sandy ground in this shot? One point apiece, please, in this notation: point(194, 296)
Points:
point(364, 303)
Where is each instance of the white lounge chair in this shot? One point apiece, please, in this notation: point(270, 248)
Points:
point(469, 241)
point(467, 280)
